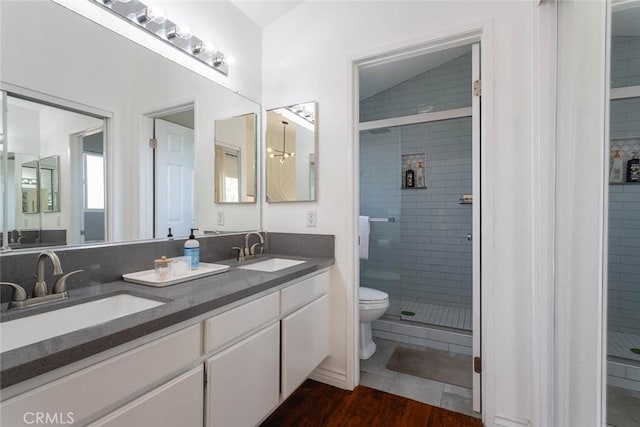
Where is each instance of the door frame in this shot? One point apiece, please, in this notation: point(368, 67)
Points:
point(483, 400)
point(77, 161)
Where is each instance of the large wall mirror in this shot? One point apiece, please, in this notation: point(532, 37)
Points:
point(623, 280)
point(291, 153)
point(92, 100)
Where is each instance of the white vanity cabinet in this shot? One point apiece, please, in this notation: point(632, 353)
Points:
point(305, 331)
point(231, 369)
point(249, 377)
point(83, 395)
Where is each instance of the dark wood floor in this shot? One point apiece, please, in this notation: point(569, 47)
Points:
point(317, 404)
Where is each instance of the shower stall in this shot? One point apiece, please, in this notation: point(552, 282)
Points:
point(416, 186)
point(420, 251)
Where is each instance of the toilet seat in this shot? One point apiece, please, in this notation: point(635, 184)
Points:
point(372, 299)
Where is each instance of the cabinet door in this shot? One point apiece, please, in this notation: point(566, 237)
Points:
point(176, 403)
point(243, 381)
point(305, 343)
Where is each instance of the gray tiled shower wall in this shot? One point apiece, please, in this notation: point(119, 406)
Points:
point(107, 263)
point(625, 61)
point(424, 256)
point(624, 200)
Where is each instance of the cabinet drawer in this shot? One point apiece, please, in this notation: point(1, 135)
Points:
point(93, 389)
point(177, 403)
point(226, 327)
point(297, 295)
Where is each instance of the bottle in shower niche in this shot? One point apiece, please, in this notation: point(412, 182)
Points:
point(633, 168)
point(617, 169)
point(420, 174)
point(409, 177)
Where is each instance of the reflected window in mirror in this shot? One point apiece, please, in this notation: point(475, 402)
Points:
point(235, 154)
point(291, 153)
point(51, 158)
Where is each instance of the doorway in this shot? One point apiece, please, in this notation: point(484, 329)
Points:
point(419, 215)
point(172, 145)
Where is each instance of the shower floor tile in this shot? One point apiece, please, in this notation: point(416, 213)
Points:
point(433, 314)
point(374, 374)
point(619, 345)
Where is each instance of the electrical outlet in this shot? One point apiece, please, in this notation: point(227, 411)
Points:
point(312, 219)
point(58, 221)
point(220, 217)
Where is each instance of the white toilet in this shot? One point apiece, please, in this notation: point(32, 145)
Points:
point(373, 304)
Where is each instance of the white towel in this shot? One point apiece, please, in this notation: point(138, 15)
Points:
point(363, 236)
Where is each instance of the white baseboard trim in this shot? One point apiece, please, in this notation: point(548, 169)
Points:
point(331, 377)
point(509, 421)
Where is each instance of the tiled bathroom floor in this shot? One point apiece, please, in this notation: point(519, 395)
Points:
point(373, 373)
point(623, 407)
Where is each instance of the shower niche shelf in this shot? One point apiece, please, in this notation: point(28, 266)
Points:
point(416, 164)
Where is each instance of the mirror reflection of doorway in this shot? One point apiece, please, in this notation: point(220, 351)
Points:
point(93, 219)
point(46, 206)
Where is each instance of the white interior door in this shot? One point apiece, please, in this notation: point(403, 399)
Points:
point(476, 236)
point(174, 184)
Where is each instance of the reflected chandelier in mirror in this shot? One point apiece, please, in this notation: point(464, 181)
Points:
point(291, 153)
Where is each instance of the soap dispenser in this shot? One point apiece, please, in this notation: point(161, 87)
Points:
point(192, 249)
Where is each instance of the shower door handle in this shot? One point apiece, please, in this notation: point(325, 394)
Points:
point(469, 237)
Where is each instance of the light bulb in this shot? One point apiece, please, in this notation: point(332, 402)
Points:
point(218, 61)
point(178, 31)
point(286, 155)
point(210, 47)
point(230, 60)
point(149, 14)
point(293, 154)
point(269, 149)
point(272, 155)
point(282, 160)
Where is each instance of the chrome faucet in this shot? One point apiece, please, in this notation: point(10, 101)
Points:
point(13, 238)
point(41, 293)
point(40, 288)
point(250, 251)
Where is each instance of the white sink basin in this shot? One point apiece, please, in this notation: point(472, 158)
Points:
point(31, 329)
point(271, 265)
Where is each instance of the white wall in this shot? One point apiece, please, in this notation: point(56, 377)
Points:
point(317, 65)
point(581, 183)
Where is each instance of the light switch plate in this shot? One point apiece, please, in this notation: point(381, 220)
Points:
point(220, 215)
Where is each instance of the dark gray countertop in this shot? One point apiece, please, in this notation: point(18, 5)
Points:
point(183, 302)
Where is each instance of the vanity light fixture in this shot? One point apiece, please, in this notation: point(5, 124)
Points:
point(303, 111)
point(273, 153)
point(153, 20)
